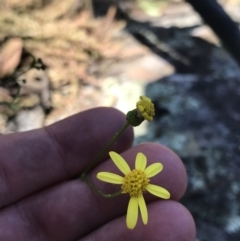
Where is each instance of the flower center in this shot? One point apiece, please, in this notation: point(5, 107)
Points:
point(135, 183)
point(146, 109)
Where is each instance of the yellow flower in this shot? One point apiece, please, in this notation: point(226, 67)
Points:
point(146, 108)
point(135, 182)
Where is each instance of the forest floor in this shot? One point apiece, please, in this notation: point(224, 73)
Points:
point(90, 61)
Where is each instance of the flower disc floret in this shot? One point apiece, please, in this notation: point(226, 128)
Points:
point(135, 183)
point(145, 108)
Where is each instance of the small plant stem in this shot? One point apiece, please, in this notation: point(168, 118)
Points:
point(92, 187)
point(96, 158)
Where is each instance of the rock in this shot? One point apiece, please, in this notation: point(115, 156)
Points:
point(36, 81)
point(27, 119)
point(33, 100)
point(198, 118)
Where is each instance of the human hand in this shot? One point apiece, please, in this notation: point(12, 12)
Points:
point(41, 200)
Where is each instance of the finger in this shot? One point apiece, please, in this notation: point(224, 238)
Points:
point(76, 208)
point(168, 221)
point(36, 159)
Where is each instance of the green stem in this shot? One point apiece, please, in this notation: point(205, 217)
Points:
point(96, 158)
point(101, 193)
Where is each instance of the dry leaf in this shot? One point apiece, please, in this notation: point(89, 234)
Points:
point(10, 56)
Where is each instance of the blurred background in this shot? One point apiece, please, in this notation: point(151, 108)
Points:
point(58, 58)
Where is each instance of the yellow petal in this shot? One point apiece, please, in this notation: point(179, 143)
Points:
point(143, 209)
point(141, 161)
point(132, 212)
point(158, 191)
point(120, 162)
point(153, 169)
point(110, 177)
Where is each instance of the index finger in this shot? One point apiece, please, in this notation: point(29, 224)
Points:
point(79, 210)
point(33, 160)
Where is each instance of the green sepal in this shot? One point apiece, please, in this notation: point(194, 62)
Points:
point(133, 118)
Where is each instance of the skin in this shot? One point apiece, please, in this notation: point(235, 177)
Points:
point(41, 199)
